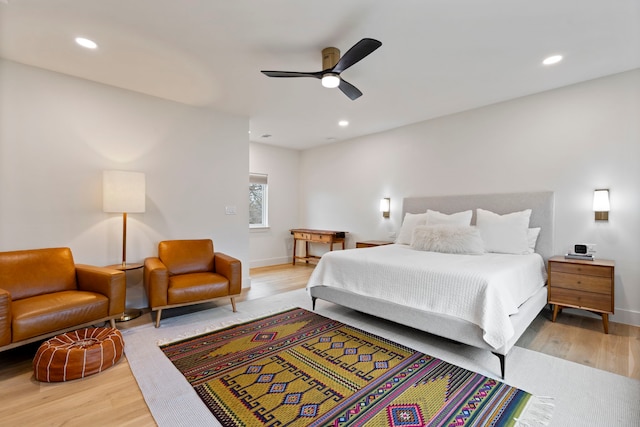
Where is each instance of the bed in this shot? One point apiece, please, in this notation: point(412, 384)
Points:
point(484, 300)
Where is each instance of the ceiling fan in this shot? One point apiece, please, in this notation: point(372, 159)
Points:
point(333, 65)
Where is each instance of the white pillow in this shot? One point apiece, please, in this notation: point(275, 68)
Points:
point(408, 224)
point(459, 218)
point(504, 233)
point(532, 238)
point(451, 239)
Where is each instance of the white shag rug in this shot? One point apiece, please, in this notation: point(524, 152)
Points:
point(582, 396)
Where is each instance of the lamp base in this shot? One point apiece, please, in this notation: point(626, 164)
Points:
point(130, 314)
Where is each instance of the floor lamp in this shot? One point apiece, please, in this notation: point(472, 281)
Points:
point(124, 192)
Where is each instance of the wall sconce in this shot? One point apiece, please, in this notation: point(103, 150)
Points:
point(385, 207)
point(601, 204)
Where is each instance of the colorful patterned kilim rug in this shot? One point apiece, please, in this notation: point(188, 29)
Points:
point(297, 368)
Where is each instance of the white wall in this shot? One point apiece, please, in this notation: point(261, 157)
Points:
point(273, 245)
point(571, 141)
point(57, 135)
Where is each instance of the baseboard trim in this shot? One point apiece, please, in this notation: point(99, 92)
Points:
point(628, 317)
point(267, 262)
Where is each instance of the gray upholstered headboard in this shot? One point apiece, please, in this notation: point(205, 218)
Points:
point(540, 203)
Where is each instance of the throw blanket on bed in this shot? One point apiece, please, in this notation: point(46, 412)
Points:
point(482, 289)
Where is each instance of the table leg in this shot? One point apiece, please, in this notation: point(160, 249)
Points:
point(294, 251)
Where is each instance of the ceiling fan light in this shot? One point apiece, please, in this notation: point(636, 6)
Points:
point(330, 80)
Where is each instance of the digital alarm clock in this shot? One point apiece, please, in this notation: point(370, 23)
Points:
point(580, 249)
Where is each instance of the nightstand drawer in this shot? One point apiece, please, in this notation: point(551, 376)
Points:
point(596, 284)
point(579, 299)
point(582, 269)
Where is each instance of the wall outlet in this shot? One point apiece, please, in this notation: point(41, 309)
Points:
point(230, 210)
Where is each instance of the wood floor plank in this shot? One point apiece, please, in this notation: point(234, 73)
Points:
point(112, 398)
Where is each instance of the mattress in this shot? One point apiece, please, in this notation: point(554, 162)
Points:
point(482, 289)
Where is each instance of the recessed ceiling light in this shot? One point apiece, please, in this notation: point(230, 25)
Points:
point(89, 44)
point(552, 60)
point(343, 123)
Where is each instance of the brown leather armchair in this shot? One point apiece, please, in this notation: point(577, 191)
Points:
point(189, 272)
point(44, 293)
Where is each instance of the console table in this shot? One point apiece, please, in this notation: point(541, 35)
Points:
point(315, 236)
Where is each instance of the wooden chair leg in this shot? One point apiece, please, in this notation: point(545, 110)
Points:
point(158, 314)
point(113, 323)
point(233, 304)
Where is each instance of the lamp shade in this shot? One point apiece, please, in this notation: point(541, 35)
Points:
point(601, 201)
point(123, 191)
point(385, 207)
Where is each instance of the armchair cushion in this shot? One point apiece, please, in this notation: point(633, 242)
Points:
point(56, 311)
point(37, 271)
point(197, 287)
point(186, 256)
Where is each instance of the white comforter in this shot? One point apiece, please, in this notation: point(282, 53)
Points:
point(482, 289)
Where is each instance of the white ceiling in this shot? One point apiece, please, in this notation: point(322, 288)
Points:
point(437, 57)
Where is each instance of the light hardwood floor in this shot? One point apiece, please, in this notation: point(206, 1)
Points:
point(113, 398)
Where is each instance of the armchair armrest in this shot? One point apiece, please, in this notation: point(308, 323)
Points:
point(231, 268)
point(106, 281)
point(5, 317)
point(156, 282)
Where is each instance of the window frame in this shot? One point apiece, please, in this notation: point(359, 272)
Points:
point(263, 181)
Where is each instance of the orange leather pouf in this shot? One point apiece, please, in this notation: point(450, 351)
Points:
point(78, 354)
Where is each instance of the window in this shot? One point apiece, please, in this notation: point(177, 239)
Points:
point(258, 200)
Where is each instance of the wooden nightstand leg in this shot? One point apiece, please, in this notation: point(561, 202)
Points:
point(556, 308)
point(605, 322)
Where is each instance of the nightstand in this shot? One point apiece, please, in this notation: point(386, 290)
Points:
point(586, 285)
point(372, 243)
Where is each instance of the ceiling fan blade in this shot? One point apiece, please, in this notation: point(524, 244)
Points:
point(357, 52)
point(350, 90)
point(317, 74)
